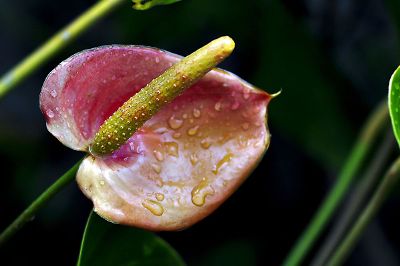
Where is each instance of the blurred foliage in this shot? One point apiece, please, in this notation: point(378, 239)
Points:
point(106, 244)
point(332, 59)
point(146, 4)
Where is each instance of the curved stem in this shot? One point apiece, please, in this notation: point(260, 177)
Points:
point(55, 44)
point(387, 184)
point(357, 199)
point(29, 212)
point(357, 156)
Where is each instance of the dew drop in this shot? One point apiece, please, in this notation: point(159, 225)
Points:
point(246, 94)
point(226, 159)
point(196, 113)
point(102, 183)
point(193, 130)
point(193, 158)
point(132, 146)
point(217, 106)
point(50, 113)
point(176, 135)
point(200, 192)
point(53, 93)
point(245, 126)
point(235, 105)
point(159, 196)
point(153, 206)
point(172, 148)
point(159, 182)
point(205, 143)
point(156, 168)
point(158, 155)
point(174, 122)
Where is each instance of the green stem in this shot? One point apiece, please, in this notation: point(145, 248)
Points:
point(29, 212)
point(55, 44)
point(354, 205)
point(353, 163)
point(387, 184)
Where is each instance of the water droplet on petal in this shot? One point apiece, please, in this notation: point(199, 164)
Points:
point(193, 158)
point(50, 113)
point(159, 182)
point(174, 122)
point(217, 106)
point(102, 183)
point(172, 148)
point(132, 146)
point(159, 156)
point(245, 126)
point(246, 94)
point(193, 130)
point(200, 192)
point(176, 135)
point(53, 93)
point(205, 143)
point(196, 113)
point(156, 168)
point(226, 159)
point(153, 206)
point(235, 105)
point(159, 196)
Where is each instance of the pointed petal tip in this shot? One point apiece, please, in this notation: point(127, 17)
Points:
point(276, 94)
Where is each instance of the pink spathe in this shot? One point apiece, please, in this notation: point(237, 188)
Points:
point(183, 163)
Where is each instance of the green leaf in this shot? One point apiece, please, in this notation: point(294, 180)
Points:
point(107, 244)
point(233, 252)
point(394, 103)
point(146, 4)
point(309, 111)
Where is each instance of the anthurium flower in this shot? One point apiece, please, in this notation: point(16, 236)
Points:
point(180, 164)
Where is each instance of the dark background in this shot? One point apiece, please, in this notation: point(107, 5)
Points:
point(333, 60)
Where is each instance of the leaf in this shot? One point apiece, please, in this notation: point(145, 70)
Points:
point(394, 103)
point(146, 4)
point(233, 252)
point(309, 111)
point(106, 244)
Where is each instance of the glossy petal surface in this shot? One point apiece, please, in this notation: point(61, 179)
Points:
point(183, 163)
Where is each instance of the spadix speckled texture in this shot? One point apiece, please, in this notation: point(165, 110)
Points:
point(183, 163)
point(118, 128)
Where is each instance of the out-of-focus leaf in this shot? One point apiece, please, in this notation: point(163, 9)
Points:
point(234, 252)
point(394, 103)
point(107, 244)
point(146, 4)
point(309, 110)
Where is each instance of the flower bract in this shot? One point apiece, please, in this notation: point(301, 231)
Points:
point(182, 163)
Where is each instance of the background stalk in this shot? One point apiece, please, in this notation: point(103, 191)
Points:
point(31, 63)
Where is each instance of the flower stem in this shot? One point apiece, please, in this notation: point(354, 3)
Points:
point(353, 164)
point(387, 184)
point(55, 44)
point(29, 212)
point(353, 207)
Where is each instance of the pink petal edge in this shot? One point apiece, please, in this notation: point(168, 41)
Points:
point(183, 163)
